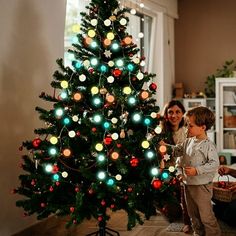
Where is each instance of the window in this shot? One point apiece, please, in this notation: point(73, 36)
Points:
point(139, 27)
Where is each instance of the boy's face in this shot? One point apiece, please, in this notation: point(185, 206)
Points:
point(193, 129)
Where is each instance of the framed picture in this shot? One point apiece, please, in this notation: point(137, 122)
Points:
point(193, 102)
point(225, 158)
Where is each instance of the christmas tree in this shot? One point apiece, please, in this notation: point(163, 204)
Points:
point(98, 149)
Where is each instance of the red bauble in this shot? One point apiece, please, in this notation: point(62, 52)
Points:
point(36, 142)
point(77, 189)
point(130, 189)
point(103, 203)
point(112, 206)
point(134, 162)
point(107, 140)
point(51, 189)
point(119, 145)
point(91, 70)
point(55, 169)
point(222, 184)
point(72, 209)
point(156, 183)
point(116, 72)
point(153, 86)
point(94, 129)
point(42, 204)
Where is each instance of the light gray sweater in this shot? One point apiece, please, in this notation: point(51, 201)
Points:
point(200, 154)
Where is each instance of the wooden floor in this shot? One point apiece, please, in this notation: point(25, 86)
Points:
point(157, 225)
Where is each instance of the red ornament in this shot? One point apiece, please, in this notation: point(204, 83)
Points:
point(90, 191)
point(112, 206)
point(72, 209)
point(77, 189)
point(153, 86)
point(107, 140)
point(134, 162)
point(103, 203)
point(43, 205)
point(94, 129)
point(100, 218)
point(116, 72)
point(57, 183)
point(222, 184)
point(55, 169)
point(118, 145)
point(33, 182)
point(51, 189)
point(156, 183)
point(91, 70)
point(78, 133)
point(130, 189)
point(36, 142)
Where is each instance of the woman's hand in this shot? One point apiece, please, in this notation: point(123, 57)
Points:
point(224, 170)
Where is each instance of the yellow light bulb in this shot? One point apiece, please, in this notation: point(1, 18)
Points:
point(53, 140)
point(91, 33)
point(110, 36)
point(145, 144)
point(127, 90)
point(94, 90)
point(64, 84)
point(99, 147)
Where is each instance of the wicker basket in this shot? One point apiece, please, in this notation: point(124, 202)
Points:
point(223, 194)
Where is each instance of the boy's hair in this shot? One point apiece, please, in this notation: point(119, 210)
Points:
point(203, 116)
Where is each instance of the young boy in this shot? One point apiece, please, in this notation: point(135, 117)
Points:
point(196, 166)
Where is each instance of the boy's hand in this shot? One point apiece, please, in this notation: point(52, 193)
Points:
point(180, 177)
point(190, 171)
point(162, 143)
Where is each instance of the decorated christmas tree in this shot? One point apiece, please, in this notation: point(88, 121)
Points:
point(98, 148)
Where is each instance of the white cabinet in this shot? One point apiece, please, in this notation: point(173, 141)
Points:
point(226, 115)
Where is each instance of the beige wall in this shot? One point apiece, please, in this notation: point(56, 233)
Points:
point(31, 39)
point(205, 36)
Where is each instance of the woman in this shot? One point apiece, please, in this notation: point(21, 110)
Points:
point(173, 125)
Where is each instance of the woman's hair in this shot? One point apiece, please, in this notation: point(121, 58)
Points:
point(165, 113)
point(203, 116)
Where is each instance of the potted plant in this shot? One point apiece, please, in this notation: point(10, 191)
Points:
point(228, 70)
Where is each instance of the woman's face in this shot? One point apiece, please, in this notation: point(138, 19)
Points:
point(174, 115)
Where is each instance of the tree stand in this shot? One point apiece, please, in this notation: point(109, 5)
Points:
point(103, 231)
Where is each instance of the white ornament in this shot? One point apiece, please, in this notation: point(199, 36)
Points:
point(107, 53)
point(82, 78)
point(107, 22)
point(140, 76)
point(114, 136)
point(110, 79)
point(166, 157)
point(140, 35)
point(123, 21)
point(94, 22)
